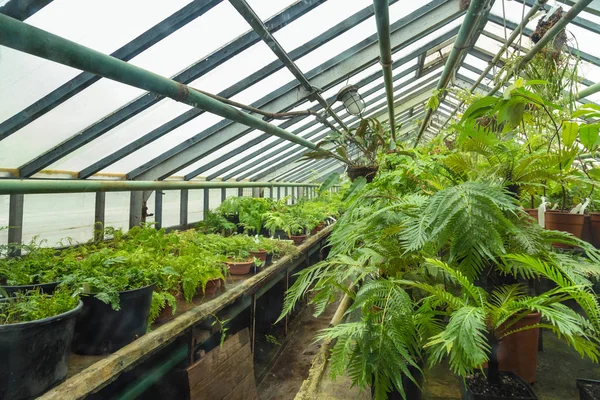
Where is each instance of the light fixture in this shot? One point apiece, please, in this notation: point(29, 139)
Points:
point(353, 102)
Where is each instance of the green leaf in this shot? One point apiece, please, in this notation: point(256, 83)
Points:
point(594, 173)
point(331, 180)
point(569, 132)
point(356, 186)
point(342, 152)
point(515, 113)
point(533, 82)
point(588, 135)
point(479, 107)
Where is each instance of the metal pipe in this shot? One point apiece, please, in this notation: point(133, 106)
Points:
point(35, 186)
point(595, 88)
point(549, 35)
point(532, 11)
point(382, 17)
point(463, 39)
point(20, 36)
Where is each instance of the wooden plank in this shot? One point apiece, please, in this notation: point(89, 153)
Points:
point(245, 390)
point(105, 371)
point(226, 377)
point(202, 370)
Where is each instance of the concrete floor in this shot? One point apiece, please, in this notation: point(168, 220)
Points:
point(285, 378)
point(558, 368)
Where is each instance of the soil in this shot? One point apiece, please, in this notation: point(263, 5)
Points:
point(593, 390)
point(508, 387)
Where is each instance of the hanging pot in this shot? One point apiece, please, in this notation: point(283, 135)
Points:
point(367, 172)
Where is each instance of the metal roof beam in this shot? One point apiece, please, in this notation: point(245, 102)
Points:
point(261, 29)
point(245, 83)
point(142, 103)
point(408, 101)
point(527, 32)
point(361, 83)
point(353, 60)
point(23, 9)
point(467, 36)
point(278, 151)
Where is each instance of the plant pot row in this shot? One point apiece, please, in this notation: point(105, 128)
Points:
point(35, 353)
point(583, 226)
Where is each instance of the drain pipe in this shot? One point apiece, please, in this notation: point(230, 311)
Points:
point(26, 38)
point(509, 41)
point(382, 17)
point(549, 35)
point(476, 8)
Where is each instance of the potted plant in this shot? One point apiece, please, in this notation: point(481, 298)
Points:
point(116, 289)
point(35, 336)
point(41, 267)
point(589, 389)
point(357, 148)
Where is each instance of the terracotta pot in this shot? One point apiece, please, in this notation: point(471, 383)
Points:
point(368, 172)
point(571, 223)
point(518, 351)
point(298, 239)
point(166, 314)
point(260, 254)
point(533, 213)
point(318, 228)
point(239, 268)
point(211, 287)
point(595, 228)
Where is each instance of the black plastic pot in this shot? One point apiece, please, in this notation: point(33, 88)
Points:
point(467, 394)
point(102, 330)
point(34, 355)
point(280, 234)
point(584, 392)
point(43, 287)
point(269, 259)
point(412, 391)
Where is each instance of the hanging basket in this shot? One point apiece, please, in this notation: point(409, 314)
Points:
point(368, 172)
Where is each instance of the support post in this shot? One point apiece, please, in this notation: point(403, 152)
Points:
point(15, 221)
point(99, 216)
point(252, 323)
point(278, 193)
point(223, 194)
point(136, 204)
point(183, 207)
point(158, 201)
point(206, 203)
point(240, 192)
point(293, 195)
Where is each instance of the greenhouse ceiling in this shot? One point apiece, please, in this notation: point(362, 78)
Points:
point(277, 56)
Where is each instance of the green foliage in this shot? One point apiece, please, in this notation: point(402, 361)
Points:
point(34, 305)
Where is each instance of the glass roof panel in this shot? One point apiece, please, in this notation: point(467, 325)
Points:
point(85, 22)
point(267, 8)
point(316, 22)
